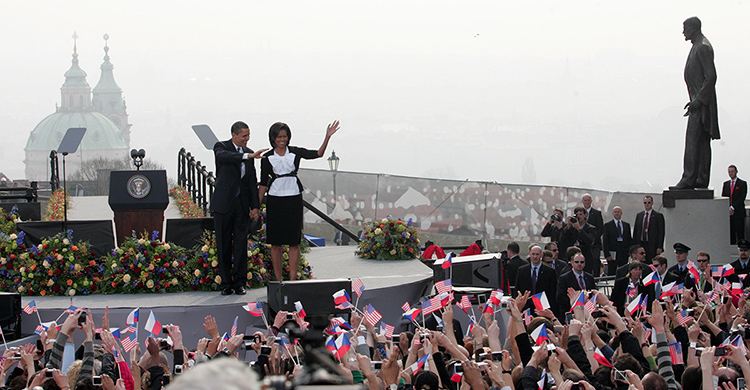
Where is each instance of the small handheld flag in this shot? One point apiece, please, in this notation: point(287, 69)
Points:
point(30, 307)
point(540, 334)
point(341, 296)
point(132, 317)
point(371, 315)
point(540, 301)
point(300, 309)
point(233, 331)
point(448, 262)
point(152, 324)
point(358, 287)
point(254, 308)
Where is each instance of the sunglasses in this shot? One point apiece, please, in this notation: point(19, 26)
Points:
point(578, 262)
point(641, 253)
point(702, 261)
point(647, 202)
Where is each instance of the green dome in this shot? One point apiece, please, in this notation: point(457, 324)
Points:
point(101, 132)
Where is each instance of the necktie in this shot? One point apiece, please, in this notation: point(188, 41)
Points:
point(731, 192)
point(657, 287)
point(581, 282)
point(534, 271)
point(242, 164)
point(646, 217)
point(619, 227)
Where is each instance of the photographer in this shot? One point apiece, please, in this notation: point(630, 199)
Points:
point(581, 234)
point(554, 226)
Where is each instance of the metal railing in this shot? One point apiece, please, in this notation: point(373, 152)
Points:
point(196, 179)
point(29, 194)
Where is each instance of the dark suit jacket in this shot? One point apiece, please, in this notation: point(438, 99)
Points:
point(546, 281)
point(561, 267)
point(680, 276)
point(595, 218)
point(228, 172)
point(655, 232)
point(737, 199)
point(511, 269)
point(612, 243)
point(567, 280)
point(585, 239)
point(737, 265)
point(619, 293)
point(690, 283)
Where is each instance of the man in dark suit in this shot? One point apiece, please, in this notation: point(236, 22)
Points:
point(620, 297)
point(594, 217)
point(736, 190)
point(616, 239)
point(665, 277)
point(637, 255)
point(550, 258)
point(705, 281)
point(576, 279)
point(537, 277)
point(579, 233)
point(234, 202)
point(514, 263)
point(702, 109)
point(742, 265)
point(681, 255)
point(648, 229)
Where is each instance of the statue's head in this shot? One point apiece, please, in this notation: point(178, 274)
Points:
point(691, 27)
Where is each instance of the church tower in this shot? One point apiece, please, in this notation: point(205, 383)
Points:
point(76, 92)
point(108, 96)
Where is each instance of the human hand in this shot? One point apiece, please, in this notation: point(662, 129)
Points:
point(40, 378)
point(254, 214)
point(105, 319)
point(71, 323)
point(209, 324)
point(176, 335)
point(735, 355)
point(364, 365)
point(657, 317)
point(120, 384)
point(257, 153)
point(448, 315)
point(234, 342)
point(88, 328)
point(574, 328)
point(203, 344)
point(521, 300)
point(539, 356)
point(546, 313)
point(332, 129)
point(52, 331)
point(473, 374)
point(389, 371)
point(693, 332)
point(108, 341)
point(707, 357)
point(107, 382)
point(152, 346)
point(688, 297)
point(495, 373)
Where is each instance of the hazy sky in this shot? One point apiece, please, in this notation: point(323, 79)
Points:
point(590, 92)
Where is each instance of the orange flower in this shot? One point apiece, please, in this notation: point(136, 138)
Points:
point(69, 282)
point(74, 248)
point(50, 272)
point(42, 293)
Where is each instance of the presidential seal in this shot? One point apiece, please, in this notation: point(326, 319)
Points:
point(138, 186)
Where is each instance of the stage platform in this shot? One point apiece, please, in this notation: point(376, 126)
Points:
point(388, 284)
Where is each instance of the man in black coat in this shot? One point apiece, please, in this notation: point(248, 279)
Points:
point(620, 297)
point(681, 255)
point(637, 255)
point(576, 278)
point(537, 277)
point(514, 263)
point(616, 239)
point(551, 258)
point(594, 217)
point(742, 265)
point(579, 233)
point(665, 277)
point(649, 228)
point(736, 190)
point(234, 202)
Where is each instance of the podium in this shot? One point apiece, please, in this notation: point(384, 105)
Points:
point(138, 199)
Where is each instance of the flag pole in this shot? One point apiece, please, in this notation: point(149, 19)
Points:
point(4, 343)
point(38, 316)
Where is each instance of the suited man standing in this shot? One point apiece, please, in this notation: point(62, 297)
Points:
point(594, 217)
point(234, 202)
point(637, 255)
point(514, 262)
point(581, 234)
point(616, 239)
point(551, 257)
point(736, 190)
point(648, 229)
point(576, 279)
point(705, 281)
point(742, 265)
point(537, 277)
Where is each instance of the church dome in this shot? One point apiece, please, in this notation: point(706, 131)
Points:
point(101, 132)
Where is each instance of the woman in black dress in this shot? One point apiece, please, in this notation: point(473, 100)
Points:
point(278, 176)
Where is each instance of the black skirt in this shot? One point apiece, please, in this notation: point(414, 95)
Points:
point(284, 220)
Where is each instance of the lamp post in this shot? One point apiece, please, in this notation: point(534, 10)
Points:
point(333, 165)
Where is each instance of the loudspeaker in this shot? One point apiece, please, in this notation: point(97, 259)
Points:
point(10, 315)
point(316, 296)
point(471, 271)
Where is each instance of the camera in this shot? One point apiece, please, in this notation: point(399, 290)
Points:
point(96, 380)
point(555, 218)
point(82, 318)
point(597, 314)
point(376, 365)
point(720, 351)
point(574, 219)
point(178, 369)
point(459, 367)
point(497, 356)
point(484, 356)
point(49, 374)
point(290, 316)
point(265, 350)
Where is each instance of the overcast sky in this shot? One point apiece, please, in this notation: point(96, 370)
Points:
point(589, 92)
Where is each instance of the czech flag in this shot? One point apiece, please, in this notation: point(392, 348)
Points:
point(667, 291)
point(693, 270)
point(341, 296)
point(254, 308)
point(736, 288)
point(300, 309)
point(152, 324)
point(418, 365)
point(599, 356)
point(412, 314)
point(342, 346)
point(580, 301)
point(540, 334)
point(651, 279)
point(540, 301)
point(488, 308)
point(635, 304)
point(727, 270)
point(448, 262)
point(331, 344)
point(496, 296)
point(132, 317)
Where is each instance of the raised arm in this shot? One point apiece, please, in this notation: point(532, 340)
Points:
point(331, 130)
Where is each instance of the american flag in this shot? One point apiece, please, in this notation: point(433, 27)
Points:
point(40, 328)
point(358, 287)
point(464, 304)
point(129, 329)
point(30, 307)
point(72, 309)
point(444, 286)
point(129, 342)
point(646, 332)
point(387, 330)
point(371, 315)
point(590, 305)
point(345, 305)
point(675, 352)
point(631, 291)
point(431, 305)
point(405, 307)
point(684, 317)
point(233, 331)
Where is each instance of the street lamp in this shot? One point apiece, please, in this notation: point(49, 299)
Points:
point(333, 165)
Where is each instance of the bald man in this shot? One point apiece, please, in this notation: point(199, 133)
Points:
point(617, 241)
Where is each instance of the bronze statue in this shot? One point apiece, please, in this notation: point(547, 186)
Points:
point(702, 111)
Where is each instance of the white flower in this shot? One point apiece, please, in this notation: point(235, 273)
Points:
point(72, 292)
point(165, 246)
point(13, 236)
point(66, 241)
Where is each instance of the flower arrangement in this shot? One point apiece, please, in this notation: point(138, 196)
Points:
point(141, 265)
point(389, 239)
point(185, 203)
point(56, 206)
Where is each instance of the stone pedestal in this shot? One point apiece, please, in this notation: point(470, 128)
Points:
point(701, 224)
